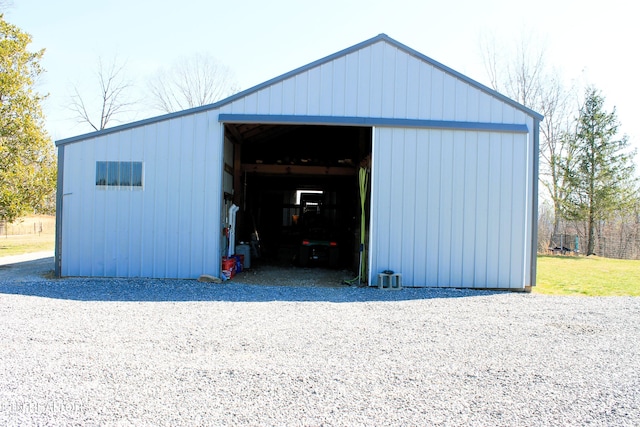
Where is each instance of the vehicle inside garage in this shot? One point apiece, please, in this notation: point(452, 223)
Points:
point(297, 189)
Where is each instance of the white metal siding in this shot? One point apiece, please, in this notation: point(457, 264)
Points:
point(169, 228)
point(377, 81)
point(449, 208)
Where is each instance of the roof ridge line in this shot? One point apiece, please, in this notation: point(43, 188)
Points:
point(344, 52)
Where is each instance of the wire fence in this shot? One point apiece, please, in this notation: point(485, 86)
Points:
point(30, 225)
point(616, 238)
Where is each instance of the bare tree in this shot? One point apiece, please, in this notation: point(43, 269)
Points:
point(491, 61)
point(191, 82)
point(525, 79)
point(520, 72)
point(112, 100)
point(555, 147)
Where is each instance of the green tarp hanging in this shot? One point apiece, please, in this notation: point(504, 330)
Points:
point(363, 181)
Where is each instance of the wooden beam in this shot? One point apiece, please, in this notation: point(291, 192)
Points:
point(298, 170)
point(236, 137)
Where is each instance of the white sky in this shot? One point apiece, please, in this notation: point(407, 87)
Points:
point(590, 42)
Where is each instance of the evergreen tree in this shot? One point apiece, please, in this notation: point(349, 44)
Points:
point(27, 162)
point(599, 169)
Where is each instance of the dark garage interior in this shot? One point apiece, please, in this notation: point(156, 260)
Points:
point(297, 188)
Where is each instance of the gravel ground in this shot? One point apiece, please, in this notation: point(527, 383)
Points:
point(161, 352)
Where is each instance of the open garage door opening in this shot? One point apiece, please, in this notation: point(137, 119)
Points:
point(298, 192)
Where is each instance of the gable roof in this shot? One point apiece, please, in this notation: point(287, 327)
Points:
point(344, 52)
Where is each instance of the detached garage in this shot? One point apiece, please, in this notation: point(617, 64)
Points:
point(450, 169)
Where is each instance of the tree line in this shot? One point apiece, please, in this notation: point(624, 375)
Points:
point(587, 167)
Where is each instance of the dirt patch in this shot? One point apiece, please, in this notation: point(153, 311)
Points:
point(293, 276)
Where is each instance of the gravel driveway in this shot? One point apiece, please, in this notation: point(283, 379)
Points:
point(159, 352)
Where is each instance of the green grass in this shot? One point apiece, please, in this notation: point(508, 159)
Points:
point(587, 276)
point(17, 245)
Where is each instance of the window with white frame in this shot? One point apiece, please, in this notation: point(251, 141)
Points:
point(119, 174)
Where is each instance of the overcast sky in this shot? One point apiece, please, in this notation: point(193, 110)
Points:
point(589, 42)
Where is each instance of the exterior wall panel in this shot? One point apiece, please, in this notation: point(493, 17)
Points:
point(275, 99)
point(470, 167)
point(168, 228)
point(408, 174)
point(466, 209)
point(376, 100)
point(300, 97)
point(288, 96)
point(363, 81)
point(482, 208)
